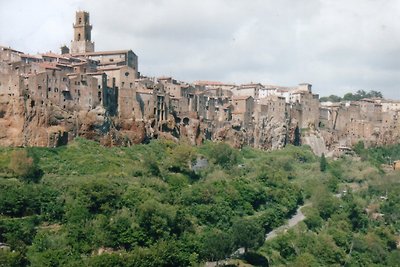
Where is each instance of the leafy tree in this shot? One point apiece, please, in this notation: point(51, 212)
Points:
point(106, 260)
point(247, 233)
point(360, 94)
point(326, 204)
point(11, 258)
point(305, 259)
point(297, 136)
point(323, 163)
point(224, 155)
point(331, 98)
point(359, 148)
point(24, 166)
point(180, 158)
point(156, 221)
point(313, 220)
point(357, 217)
point(100, 195)
point(216, 245)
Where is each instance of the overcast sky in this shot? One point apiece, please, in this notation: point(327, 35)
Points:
point(337, 45)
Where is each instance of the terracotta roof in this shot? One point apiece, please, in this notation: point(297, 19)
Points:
point(112, 68)
point(99, 53)
point(31, 56)
point(95, 73)
point(53, 55)
point(47, 65)
point(9, 48)
point(250, 85)
point(212, 83)
point(240, 97)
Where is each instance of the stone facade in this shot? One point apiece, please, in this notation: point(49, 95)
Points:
point(82, 34)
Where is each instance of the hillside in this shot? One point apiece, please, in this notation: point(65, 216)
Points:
point(169, 204)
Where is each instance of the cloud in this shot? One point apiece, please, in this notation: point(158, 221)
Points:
point(336, 45)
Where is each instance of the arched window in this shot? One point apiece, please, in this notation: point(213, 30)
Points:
point(80, 21)
point(79, 36)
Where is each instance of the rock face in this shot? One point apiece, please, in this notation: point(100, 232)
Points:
point(12, 121)
point(51, 126)
point(23, 124)
point(316, 142)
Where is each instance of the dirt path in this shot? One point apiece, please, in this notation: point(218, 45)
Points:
point(296, 218)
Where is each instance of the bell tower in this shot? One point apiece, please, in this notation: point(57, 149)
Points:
point(82, 34)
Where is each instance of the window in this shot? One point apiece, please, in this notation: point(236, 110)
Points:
point(79, 36)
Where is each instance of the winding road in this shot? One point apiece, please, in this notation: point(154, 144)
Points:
point(293, 221)
point(296, 218)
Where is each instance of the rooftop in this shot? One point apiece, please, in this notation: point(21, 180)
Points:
point(240, 97)
point(99, 53)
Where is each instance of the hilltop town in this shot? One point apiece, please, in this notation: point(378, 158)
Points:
point(48, 99)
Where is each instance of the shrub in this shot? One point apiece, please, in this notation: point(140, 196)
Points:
point(23, 166)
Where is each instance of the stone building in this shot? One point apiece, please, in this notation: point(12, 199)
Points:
point(251, 89)
point(243, 107)
point(274, 107)
point(82, 34)
point(112, 59)
point(212, 85)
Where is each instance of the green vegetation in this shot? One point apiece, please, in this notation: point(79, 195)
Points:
point(87, 205)
point(323, 163)
point(140, 206)
point(360, 94)
point(357, 227)
point(378, 155)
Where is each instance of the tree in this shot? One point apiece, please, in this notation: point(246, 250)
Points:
point(216, 245)
point(323, 163)
point(247, 233)
point(313, 220)
point(331, 98)
point(376, 94)
point(224, 155)
point(24, 166)
point(297, 136)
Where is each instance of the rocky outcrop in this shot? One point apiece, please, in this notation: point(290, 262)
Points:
point(11, 121)
point(317, 143)
point(25, 124)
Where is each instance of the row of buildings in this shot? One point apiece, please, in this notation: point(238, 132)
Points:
point(80, 78)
